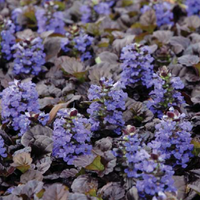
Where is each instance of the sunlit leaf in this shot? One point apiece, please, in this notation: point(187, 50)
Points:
point(98, 60)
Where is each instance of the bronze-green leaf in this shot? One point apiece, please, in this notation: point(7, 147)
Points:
point(103, 44)
point(197, 68)
point(81, 76)
point(61, 5)
point(140, 37)
point(127, 3)
point(196, 144)
point(96, 165)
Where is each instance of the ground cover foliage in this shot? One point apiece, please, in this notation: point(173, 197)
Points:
point(100, 99)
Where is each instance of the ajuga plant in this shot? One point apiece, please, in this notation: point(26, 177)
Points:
point(18, 101)
point(165, 92)
point(77, 45)
point(107, 104)
point(193, 7)
point(29, 56)
point(163, 11)
point(174, 139)
point(136, 66)
point(147, 166)
point(93, 9)
point(7, 39)
point(71, 135)
point(49, 18)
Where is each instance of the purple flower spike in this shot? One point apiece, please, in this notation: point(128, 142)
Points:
point(7, 39)
point(165, 92)
point(173, 134)
point(136, 65)
point(71, 136)
point(107, 105)
point(18, 100)
point(153, 177)
point(29, 56)
point(49, 19)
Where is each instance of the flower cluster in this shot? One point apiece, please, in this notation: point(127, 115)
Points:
point(78, 45)
point(108, 102)
point(71, 135)
point(7, 39)
point(2, 148)
point(136, 65)
point(174, 138)
point(19, 99)
point(153, 177)
point(29, 56)
point(193, 7)
point(163, 12)
point(49, 19)
point(164, 94)
point(94, 9)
